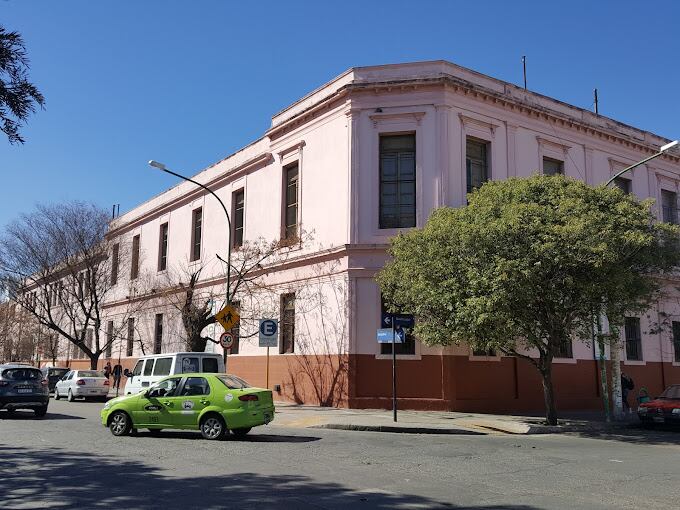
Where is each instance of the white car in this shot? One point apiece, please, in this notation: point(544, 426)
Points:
point(82, 384)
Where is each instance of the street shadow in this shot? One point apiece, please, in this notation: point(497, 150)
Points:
point(57, 478)
point(250, 438)
point(30, 415)
point(636, 433)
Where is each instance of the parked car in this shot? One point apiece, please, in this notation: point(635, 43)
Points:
point(82, 384)
point(151, 369)
point(53, 374)
point(211, 403)
point(663, 409)
point(23, 387)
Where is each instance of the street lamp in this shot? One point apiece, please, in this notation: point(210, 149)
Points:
point(663, 149)
point(165, 169)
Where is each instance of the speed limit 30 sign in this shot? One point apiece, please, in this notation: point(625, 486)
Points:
point(227, 340)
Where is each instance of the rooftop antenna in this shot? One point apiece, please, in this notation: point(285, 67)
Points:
point(113, 212)
point(524, 65)
point(597, 112)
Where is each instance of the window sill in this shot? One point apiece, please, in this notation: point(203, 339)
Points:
point(406, 357)
point(635, 362)
point(565, 361)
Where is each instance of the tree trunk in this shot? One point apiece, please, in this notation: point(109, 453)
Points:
point(603, 369)
point(617, 394)
point(94, 359)
point(548, 392)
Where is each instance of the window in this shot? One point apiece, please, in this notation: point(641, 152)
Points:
point(134, 267)
point(287, 344)
point(476, 163)
point(114, 263)
point(237, 210)
point(80, 287)
point(148, 367)
point(552, 166)
point(109, 338)
point(669, 206)
point(623, 184)
point(407, 347)
point(89, 334)
point(196, 225)
point(676, 340)
point(564, 349)
point(210, 365)
point(138, 368)
point(169, 386)
point(633, 339)
point(397, 181)
point(158, 334)
point(194, 386)
point(233, 383)
point(290, 230)
point(163, 247)
point(235, 332)
point(162, 366)
point(130, 336)
point(190, 365)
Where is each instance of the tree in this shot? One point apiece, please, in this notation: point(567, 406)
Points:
point(55, 264)
point(18, 96)
point(526, 265)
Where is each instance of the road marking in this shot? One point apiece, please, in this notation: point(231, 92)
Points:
point(615, 460)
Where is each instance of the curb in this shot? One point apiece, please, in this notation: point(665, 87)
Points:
point(397, 429)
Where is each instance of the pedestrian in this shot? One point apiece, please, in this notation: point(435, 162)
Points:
point(627, 384)
point(117, 373)
point(107, 369)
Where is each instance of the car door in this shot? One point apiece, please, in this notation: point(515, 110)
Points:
point(133, 384)
point(156, 405)
point(61, 384)
point(145, 379)
point(192, 396)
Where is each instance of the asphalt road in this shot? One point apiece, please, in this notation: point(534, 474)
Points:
point(68, 460)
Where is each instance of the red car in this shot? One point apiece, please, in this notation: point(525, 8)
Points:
point(663, 409)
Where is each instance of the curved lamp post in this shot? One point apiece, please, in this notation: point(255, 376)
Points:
point(663, 149)
point(163, 168)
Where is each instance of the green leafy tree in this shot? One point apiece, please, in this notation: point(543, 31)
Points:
point(18, 96)
point(526, 266)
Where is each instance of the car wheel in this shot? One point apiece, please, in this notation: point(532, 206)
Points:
point(56, 394)
point(70, 397)
point(213, 427)
point(40, 411)
point(120, 424)
point(155, 432)
point(241, 432)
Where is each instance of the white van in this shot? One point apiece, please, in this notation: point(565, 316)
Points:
point(152, 368)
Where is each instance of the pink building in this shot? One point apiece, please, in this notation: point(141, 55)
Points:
point(340, 172)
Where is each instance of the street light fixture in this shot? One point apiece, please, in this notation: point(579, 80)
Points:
point(163, 168)
point(662, 150)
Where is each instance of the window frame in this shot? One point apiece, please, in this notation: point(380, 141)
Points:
point(409, 340)
point(286, 229)
point(130, 345)
point(238, 228)
point(196, 244)
point(672, 210)
point(675, 340)
point(486, 144)
point(633, 323)
point(158, 334)
point(115, 261)
point(134, 259)
point(552, 160)
point(624, 184)
point(163, 232)
point(382, 222)
point(287, 323)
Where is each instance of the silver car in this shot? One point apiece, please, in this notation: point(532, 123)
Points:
point(82, 384)
point(23, 387)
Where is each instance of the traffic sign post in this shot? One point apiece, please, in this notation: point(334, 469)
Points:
point(268, 336)
point(393, 325)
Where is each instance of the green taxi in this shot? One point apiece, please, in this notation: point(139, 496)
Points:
point(212, 403)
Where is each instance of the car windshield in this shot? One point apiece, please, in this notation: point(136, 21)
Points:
point(57, 372)
point(671, 393)
point(90, 373)
point(233, 383)
point(22, 374)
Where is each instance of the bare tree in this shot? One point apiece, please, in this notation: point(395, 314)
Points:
point(55, 263)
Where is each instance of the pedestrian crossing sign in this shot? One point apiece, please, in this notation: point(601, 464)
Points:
point(228, 317)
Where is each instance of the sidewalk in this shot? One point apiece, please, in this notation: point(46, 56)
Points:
point(433, 422)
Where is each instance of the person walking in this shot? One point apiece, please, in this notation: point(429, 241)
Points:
point(117, 373)
point(627, 384)
point(107, 369)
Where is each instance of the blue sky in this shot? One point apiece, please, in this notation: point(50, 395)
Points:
point(187, 83)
